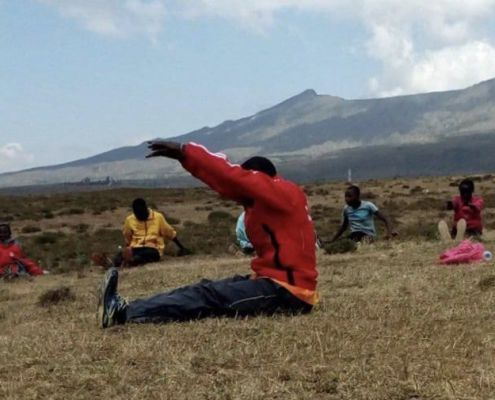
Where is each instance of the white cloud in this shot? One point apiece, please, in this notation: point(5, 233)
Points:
point(451, 67)
point(422, 45)
point(14, 157)
point(115, 18)
point(413, 40)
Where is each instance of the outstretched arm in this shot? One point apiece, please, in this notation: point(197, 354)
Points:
point(391, 232)
point(183, 251)
point(477, 204)
point(229, 180)
point(342, 229)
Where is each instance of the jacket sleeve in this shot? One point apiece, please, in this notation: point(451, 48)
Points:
point(231, 180)
point(127, 232)
point(166, 231)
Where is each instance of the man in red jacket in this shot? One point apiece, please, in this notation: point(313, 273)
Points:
point(279, 227)
point(13, 262)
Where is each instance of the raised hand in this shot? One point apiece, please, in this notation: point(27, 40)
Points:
point(160, 148)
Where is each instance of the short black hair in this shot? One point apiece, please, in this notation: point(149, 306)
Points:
point(467, 183)
point(7, 225)
point(260, 164)
point(140, 209)
point(355, 189)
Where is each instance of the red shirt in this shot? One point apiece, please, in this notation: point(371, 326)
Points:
point(277, 220)
point(472, 214)
point(11, 254)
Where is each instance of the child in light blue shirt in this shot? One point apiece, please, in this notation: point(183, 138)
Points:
point(242, 238)
point(359, 216)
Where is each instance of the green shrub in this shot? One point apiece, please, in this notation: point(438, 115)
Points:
point(221, 217)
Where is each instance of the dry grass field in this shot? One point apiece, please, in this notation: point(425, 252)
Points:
point(392, 324)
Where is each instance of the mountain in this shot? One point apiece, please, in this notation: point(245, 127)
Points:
point(313, 136)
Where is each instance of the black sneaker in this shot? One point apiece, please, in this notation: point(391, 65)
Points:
point(111, 307)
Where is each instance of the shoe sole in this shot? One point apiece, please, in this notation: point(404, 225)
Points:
point(461, 230)
point(108, 286)
point(443, 230)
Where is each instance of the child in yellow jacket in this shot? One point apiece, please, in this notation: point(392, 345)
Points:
point(146, 233)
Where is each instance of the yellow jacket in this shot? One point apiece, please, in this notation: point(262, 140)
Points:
point(155, 232)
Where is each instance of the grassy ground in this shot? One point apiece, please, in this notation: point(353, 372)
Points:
point(391, 325)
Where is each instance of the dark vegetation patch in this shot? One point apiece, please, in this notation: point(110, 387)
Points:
point(55, 296)
point(30, 229)
point(487, 282)
point(368, 195)
point(340, 246)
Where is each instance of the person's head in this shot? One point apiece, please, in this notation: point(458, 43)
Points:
point(5, 232)
point(140, 209)
point(260, 164)
point(352, 196)
point(466, 188)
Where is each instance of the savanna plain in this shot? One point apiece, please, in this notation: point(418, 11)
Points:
point(392, 323)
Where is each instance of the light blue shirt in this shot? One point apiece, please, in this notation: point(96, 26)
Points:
point(240, 231)
point(361, 219)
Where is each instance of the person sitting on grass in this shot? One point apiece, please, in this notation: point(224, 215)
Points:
point(146, 233)
point(284, 273)
point(359, 215)
point(467, 214)
point(242, 238)
point(13, 262)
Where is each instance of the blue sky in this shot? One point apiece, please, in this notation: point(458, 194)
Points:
point(78, 77)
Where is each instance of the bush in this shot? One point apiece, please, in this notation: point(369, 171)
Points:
point(81, 228)
point(47, 238)
point(72, 211)
point(172, 220)
point(369, 195)
point(55, 296)
point(30, 229)
point(48, 215)
point(221, 217)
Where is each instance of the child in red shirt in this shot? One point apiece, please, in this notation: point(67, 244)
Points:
point(467, 207)
point(13, 262)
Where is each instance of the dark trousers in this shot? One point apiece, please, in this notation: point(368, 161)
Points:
point(140, 256)
point(360, 237)
point(231, 297)
point(469, 232)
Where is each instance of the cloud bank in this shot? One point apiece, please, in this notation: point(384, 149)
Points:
point(115, 18)
point(13, 157)
point(421, 45)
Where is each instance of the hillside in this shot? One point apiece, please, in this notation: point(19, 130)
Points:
point(425, 134)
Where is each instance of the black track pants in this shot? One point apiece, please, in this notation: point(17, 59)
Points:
point(236, 296)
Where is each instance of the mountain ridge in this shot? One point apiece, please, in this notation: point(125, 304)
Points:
point(307, 125)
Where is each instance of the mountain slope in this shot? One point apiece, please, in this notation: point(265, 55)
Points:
point(326, 130)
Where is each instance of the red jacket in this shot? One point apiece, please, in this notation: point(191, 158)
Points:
point(12, 257)
point(277, 220)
